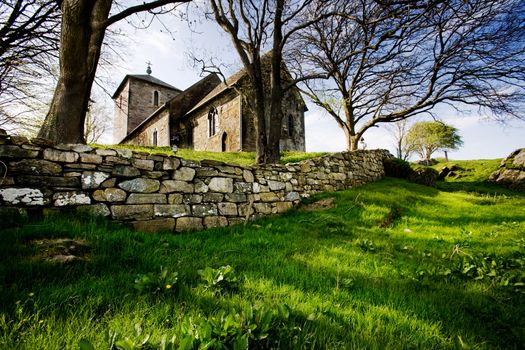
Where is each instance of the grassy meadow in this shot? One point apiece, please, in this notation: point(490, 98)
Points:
point(391, 265)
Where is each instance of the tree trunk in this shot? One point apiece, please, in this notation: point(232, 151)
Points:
point(276, 95)
point(82, 34)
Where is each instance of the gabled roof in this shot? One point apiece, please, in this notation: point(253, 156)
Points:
point(144, 77)
point(219, 89)
point(232, 80)
point(180, 104)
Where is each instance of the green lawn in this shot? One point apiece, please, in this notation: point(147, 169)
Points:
point(240, 158)
point(392, 265)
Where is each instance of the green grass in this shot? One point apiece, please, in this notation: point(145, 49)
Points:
point(472, 177)
point(240, 158)
point(392, 265)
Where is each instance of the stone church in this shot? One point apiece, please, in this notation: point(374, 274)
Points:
point(210, 115)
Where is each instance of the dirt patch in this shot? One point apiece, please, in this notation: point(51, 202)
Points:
point(393, 215)
point(323, 204)
point(60, 250)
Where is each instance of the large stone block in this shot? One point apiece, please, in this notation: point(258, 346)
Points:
point(221, 184)
point(235, 197)
point(155, 225)
point(283, 206)
point(227, 209)
point(292, 196)
point(48, 181)
point(143, 164)
point(140, 185)
point(106, 152)
point(99, 209)
point(276, 185)
point(60, 156)
point(200, 186)
point(90, 158)
point(36, 167)
point(170, 163)
point(92, 179)
point(248, 176)
point(71, 198)
point(125, 171)
point(243, 187)
point(146, 198)
point(212, 197)
point(11, 151)
point(184, 174)
point(172, 210)
point(169, 186)
point(204, 209)
point(263, 208)
point(27, 196)
point(175, 198)
point(188, 224)
point(74, 147)
point(132, 212)
point(215, 221)
point(269, 197)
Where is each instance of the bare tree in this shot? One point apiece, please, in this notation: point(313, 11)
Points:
point(388, 61)
point(83, 28)
point(253, 27)
point(399, 131)
point(29, 37)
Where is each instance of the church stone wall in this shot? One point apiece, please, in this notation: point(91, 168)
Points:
point(228, 128)
point(120, 125)
point(159, 123)
point(141, 101)
point(163, 193)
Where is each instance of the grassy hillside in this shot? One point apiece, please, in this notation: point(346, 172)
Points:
point(240, 158)
point(390, 265)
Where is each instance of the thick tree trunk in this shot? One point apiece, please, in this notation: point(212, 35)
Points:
point(260, 122)
point(276, 95)
point(82, 34)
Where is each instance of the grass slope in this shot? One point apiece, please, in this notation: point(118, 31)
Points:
point(392, 265)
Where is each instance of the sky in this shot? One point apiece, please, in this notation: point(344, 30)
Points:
point(170, 58)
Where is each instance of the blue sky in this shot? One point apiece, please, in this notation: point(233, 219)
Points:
point(483, 138)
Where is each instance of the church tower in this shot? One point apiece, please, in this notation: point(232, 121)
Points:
point(136, 98)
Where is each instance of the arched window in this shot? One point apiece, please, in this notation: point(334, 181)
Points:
point(224, 142)
point(290, 125)
point(213, 121)
point(155, 138)
point(155, 98)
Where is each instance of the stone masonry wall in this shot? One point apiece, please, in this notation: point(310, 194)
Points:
point(160, 192)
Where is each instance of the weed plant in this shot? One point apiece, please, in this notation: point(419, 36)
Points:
point(392, 265)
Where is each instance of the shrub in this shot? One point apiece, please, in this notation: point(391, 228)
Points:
point(424, 176)
point(395, 167)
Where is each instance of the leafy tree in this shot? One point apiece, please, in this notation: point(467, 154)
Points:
point(425, 138)
point(83, 29)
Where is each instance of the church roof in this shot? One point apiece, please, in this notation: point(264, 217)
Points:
point(144, 77)
point(220, 89)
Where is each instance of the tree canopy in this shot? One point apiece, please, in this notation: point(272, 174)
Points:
point(425, 138)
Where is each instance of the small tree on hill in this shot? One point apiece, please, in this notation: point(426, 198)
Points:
point(425, 138)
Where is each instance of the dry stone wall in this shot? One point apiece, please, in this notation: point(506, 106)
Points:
point(161, 192)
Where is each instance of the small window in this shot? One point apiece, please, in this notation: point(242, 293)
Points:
point(290, 125)
point(155, 98)
point(120, 101)
point(213, 120)
point(155, 138)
